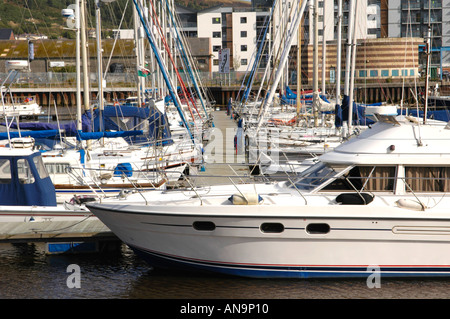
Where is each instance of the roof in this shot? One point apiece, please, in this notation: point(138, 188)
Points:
point(62, 48)
point(6, 34)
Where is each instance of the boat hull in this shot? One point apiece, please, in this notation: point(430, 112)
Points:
point(308, 244)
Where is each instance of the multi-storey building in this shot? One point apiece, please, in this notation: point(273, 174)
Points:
point(239, 29)
point(410, 18)
point(229, 28)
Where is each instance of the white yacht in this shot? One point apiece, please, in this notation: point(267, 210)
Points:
point(380, 199)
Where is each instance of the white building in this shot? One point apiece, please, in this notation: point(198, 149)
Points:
point(227, 28)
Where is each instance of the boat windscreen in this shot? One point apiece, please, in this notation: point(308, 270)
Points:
point(319, 174)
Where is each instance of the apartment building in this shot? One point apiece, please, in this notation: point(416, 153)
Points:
point(410, 18)
point(230, 28)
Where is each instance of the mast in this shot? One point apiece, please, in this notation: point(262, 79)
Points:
point(428, 53)
point(324, 50)
point(299, 72)
point(339, 54)
point(84, 56)
point(352, 74)
point(316, 62)
point(349, 45)
point(77, 64)
point(291, 35)
point(99, 63)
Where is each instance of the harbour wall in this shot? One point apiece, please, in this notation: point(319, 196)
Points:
point(363, 93)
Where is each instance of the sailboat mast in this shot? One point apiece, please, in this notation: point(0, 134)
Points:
point(349, 46)
point(428, 53)
point(78, 64)
point(84, 55)
point(339, 54)
point(99, 63)
point(316, 62)
point(352, 72)
point(324, 49)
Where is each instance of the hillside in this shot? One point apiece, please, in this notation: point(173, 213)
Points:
point(44, 16)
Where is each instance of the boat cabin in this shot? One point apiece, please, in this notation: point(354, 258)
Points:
point(23, 179)
point(398, 179)
point(394, 156)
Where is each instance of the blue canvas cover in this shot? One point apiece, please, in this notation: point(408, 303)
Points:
point(158, 123)
point(15, 192)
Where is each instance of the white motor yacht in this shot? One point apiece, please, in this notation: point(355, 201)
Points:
point(378, 200)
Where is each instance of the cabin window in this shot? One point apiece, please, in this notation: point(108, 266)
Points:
point(316, 176)
point(24, 172)
point(57, 168)
point(40, 167)
point(365, 178)
point(5, 171)
point(427, 179)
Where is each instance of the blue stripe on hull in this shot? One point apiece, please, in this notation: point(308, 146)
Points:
point(159, 260)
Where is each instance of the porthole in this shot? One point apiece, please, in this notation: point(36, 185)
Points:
point(315, 229)
point(204, 226)
point(272, 228)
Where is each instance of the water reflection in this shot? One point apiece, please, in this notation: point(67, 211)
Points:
point(27, 272)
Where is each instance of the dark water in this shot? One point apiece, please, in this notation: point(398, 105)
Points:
point(26, 272)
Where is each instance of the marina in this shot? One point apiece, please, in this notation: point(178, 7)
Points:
point(259, 192)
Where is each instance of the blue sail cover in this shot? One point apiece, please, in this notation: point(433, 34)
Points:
point(440, 115)
point(47, 133)
point(70, 129)
point(359, 117)
point(113, 115)
point(16, 192)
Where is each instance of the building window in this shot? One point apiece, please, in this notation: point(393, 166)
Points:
point(243, 19)
point(216, 35)
point(362, 74)
point(411, 72)
point(404, 72)
point(243, 48)
point(244, 62)
point(385, 73)
point(216, 48)
point(395, 73)
point(216, 20)
point(243, 34)
point(373, 73)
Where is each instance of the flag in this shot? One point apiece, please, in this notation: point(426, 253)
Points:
point(143, 71)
